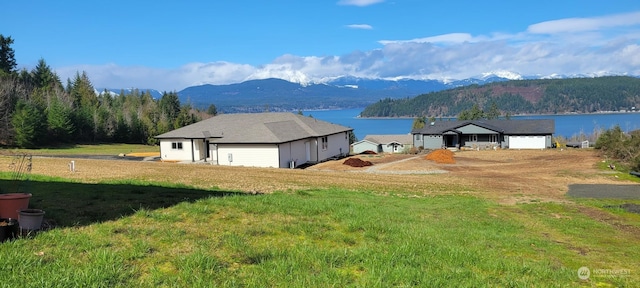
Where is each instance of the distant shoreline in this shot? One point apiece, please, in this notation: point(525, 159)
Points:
point(515, 115)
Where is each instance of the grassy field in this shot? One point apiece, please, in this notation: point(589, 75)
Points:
point(319, 228)
point(99, 149)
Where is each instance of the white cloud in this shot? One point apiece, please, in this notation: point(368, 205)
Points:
point(360, 26)
point(446, 38)
point(594, 45)
point(571, 25)
point(114, 76)
point(360, 3)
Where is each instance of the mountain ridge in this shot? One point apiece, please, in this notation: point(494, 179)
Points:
point(275, 94)
point(535, 96)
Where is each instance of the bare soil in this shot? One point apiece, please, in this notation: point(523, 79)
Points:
point(507, 176)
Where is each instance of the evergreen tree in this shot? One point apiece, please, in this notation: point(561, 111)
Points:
point(59, 121)
point(213, 110)
point(185, 117)
point(475, 113)
point(84, 103)
point(82, 91)
point(419, 122)
point(43, 77)
point(170, 106)
point(7, 56)
point(493, 113)
point(352, 138)
point(28, 124)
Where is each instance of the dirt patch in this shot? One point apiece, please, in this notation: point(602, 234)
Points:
point(604, 191)
point(506, 176)
point(442, 156)
point(357, 162)
point(610, 219)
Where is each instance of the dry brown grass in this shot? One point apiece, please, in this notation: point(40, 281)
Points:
point(508, 176)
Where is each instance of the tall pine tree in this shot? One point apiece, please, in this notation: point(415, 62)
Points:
point(7, 56)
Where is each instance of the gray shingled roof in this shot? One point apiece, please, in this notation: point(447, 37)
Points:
point(511, 127)
point(386, 139)
point(256, 128)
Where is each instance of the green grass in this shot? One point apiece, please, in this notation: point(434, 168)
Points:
point(93, 149)
point(159, 235)
point(621, 172)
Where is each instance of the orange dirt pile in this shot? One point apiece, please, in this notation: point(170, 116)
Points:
point(357, 162)
point(442, 156)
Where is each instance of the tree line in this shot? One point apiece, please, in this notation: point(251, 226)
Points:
point(36, 109)
point(545, 96)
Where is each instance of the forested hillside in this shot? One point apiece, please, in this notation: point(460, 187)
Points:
point(37, 110)
point(549, 96)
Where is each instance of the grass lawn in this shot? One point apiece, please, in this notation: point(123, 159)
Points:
point(143, 231)
point(94, 149)
point(140, 234)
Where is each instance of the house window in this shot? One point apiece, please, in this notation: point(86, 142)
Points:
point(493, 138)
point(325, 143)
point(417, 137)
point(472, 137)
point(176, 145)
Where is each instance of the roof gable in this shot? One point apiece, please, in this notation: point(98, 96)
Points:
point(390, 138)
point(524, 126)
point(472, 128)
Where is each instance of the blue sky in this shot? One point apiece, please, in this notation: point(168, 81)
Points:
point(170, 45)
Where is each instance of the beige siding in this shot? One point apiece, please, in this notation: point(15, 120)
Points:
point(362, 146)
point(338, 143)
point(293, 151)
point(255, 155)
point(200, 151)
point(168, 153)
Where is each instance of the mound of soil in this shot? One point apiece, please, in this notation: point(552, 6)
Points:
point(368, 152)
point(357, 162)
point(442, 156)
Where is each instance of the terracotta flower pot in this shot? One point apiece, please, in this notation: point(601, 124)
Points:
point(11, 203)
point(30, 219)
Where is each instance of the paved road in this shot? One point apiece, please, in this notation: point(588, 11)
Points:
point(604, 191)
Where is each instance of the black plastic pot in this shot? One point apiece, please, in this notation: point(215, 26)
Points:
point(8, 229)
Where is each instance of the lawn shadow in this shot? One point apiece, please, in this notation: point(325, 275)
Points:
point(75, 204)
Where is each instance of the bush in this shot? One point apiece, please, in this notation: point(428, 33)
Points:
point(623, 147)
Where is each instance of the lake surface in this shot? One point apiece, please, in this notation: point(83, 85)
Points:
point(566, 125)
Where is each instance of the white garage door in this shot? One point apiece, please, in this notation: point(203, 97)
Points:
point(527, 142)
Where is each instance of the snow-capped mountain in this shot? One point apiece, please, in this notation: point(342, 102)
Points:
point(502, 74)
point(115, 92)
point(299, 92)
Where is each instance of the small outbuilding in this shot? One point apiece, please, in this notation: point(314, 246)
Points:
point(283, 140)
point(395, 143)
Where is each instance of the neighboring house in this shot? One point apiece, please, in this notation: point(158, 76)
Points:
point(283, 140)
point(383, 143)
point(480, 134)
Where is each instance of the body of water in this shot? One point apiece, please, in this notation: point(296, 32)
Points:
point(566, 125)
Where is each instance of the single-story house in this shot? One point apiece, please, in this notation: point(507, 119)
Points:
point(478, 134)
point(383, 143)
point(283, 140)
